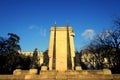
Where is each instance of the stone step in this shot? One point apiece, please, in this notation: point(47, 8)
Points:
point(65, 75)
point(61, 77)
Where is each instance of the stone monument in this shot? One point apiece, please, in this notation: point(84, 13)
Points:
point(61, 62)
point(61, 48)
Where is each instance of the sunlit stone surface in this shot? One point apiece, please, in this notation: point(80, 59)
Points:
point(60, 41)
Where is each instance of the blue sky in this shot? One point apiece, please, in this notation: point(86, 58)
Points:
point(32, 19)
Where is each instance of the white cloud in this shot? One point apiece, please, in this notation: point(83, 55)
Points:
point(33, 27)
point(88, 34)
point(43, 32)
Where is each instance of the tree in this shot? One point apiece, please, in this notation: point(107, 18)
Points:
point(24, 62)
point(10, 44)
point(106, 47)
point(35, 61)
point(45, 58)
point(77, 58)
point(9, 53)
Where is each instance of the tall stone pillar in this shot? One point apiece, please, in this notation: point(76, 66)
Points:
point(61, 48)
point(72, 48)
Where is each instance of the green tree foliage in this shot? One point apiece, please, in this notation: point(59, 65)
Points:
point(10, 58)
point(10, 44)
point(77, 59)
point(35, 60)
point(45, 58)
point(24, 62)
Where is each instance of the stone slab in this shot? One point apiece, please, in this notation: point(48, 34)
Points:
point(107, 71)
point(44, 68)
point(33, 71)
point(78, 68)
point(64, 75)
point(17, 72)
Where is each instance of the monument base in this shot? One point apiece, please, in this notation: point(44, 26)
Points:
point(17, 72)
point(44, 68)
point(33, 71)
point(107, 71)
point(65, 75)
point(78, 68)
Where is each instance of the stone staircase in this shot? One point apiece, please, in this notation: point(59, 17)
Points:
point(62, 75)
point(73, 75)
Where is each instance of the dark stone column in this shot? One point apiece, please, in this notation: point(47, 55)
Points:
point(69, 61)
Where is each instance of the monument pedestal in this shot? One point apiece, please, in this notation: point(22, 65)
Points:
point(44, 68)
point(17, 72)
point(78, 68)
point(107, 71)
point(33, 71)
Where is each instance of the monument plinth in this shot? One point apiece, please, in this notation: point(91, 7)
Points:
point(61, 49)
